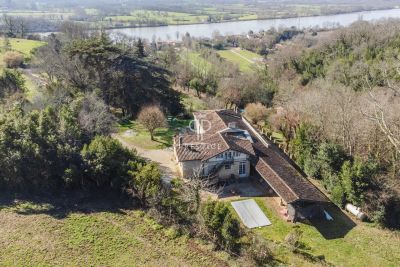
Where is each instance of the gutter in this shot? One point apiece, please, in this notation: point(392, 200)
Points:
point(255, 132)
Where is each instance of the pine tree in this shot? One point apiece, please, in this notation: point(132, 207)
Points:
point(140, 49)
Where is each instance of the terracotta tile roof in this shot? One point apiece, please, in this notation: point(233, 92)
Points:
point(276, 183)
point(190, 147)
point(213, 142)
point(286, 181)
point(216, 123)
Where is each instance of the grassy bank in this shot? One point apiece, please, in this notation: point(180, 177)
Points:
point(342, 242)
point(93, 231)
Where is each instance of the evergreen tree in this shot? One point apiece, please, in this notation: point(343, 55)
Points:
point(220, 224)
point(140, 52)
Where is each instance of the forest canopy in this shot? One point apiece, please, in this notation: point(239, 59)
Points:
point(338, 107)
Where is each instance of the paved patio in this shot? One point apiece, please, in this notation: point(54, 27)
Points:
point(248, 187)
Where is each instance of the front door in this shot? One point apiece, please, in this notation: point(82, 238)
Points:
point(242, 169)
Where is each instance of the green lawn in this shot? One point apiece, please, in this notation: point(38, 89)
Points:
point(341, 242)
point(33, 90)
point(25, 47)
point(136, 134)
point(246, 60)
point(93, 231)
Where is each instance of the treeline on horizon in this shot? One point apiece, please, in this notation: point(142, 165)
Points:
point(106, 13)
point(31, 4)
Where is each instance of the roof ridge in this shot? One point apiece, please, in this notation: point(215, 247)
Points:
point(291, 190)
point(219, 117)
point(223, 138)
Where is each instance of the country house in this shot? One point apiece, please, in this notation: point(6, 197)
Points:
point(223, 145)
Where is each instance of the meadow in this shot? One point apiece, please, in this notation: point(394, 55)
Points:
point(246, 60)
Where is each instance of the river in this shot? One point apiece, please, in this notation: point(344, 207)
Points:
point(175, 32)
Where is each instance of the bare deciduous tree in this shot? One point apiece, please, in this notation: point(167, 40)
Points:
point(95, 116)
point(196, 185)
point(151, 117)
point(385, 113)
point(256, 112)
point(229, 91)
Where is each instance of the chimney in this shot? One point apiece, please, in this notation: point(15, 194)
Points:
point(180, 140)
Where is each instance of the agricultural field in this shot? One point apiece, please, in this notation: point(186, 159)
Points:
point(95, 231)
point(170, 18)
point(56, 15)
point(246, 60)
point(249, 17)
point(145, 17)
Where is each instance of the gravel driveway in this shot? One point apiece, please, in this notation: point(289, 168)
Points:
point(164, 157)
